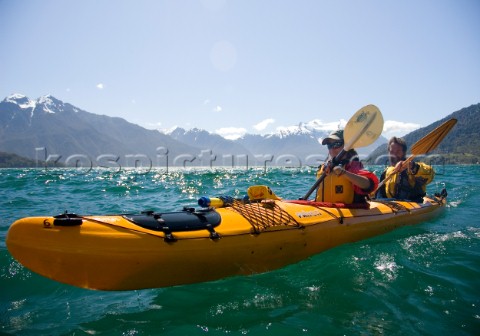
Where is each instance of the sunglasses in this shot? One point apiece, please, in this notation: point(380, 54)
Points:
point(337, 144)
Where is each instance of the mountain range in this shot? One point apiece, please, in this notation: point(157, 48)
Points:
point(460, 146)
point(51, 130)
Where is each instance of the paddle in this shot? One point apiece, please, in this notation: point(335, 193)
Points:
point(363, 128)
point(426, 144)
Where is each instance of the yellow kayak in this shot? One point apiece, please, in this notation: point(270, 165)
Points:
point(149, 250)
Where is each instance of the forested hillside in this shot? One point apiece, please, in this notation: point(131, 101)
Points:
point(460, 146)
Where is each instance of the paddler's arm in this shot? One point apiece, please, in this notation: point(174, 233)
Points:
point(360, 181)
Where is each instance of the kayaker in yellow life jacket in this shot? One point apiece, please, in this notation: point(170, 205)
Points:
point(407, 183)
point(345, 183)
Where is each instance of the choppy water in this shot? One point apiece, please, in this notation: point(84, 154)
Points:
point(423, 279)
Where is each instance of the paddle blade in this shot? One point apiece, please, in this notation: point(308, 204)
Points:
point(363, 128)
point(430, 141)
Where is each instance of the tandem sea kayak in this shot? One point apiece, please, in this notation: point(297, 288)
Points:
point(237, 237)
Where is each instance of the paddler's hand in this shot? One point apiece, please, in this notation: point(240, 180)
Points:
point(401, 166)
point(338, 170)
point(328, 167)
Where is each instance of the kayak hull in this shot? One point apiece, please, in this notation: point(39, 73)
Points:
point(112, 253)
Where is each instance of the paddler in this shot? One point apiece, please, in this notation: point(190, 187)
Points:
point(409, 181)
point(347, 182)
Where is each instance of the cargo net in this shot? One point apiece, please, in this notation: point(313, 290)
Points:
point(264, 214)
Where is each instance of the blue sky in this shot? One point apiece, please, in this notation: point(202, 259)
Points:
point(245, 66)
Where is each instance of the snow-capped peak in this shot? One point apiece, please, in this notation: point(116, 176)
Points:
point(283, 132)
point(47, 103)
point(50, 104)
point(47, 99)
point(14, 97)
point(21, 100)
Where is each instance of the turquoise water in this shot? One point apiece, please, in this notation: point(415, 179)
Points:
point(423, 279)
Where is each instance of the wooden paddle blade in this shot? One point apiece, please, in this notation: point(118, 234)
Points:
point(363, 128)
point(430, 141)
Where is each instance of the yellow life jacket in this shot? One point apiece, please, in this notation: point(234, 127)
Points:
point(426, 172)
point(334, 189)
point(391, 184)
point(423, 176)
